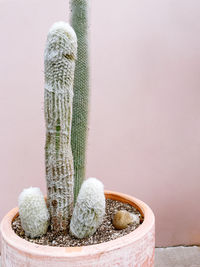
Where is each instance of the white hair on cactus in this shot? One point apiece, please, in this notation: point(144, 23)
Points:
point(59, 65)
point(33, 212)
point(89, 209)
point(65, 27)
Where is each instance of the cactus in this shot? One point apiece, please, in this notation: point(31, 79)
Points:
point(79, 22)
point(89, 209)
point(59, 62)
point(33, 212)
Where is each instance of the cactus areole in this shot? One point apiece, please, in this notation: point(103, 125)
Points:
point(59, 63)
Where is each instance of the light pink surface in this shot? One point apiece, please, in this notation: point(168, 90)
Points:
point(144, 136)
point(133, 250)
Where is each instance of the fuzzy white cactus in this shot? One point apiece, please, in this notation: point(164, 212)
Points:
point(59, 63)
point(89, 209)
point(33, 212)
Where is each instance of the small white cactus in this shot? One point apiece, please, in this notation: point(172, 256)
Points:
point(33, 212)
point(89, 209)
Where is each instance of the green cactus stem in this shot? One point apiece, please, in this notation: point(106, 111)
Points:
point(79, 22)
point(59, 63)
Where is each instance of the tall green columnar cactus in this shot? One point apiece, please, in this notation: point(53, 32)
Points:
point(79, 22)
point(59, 62)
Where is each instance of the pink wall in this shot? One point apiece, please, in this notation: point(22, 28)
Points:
point(144, 134)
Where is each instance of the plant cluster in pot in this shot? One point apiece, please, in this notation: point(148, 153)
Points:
point(69, 228)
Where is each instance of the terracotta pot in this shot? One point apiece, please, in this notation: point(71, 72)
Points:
point(135, 249)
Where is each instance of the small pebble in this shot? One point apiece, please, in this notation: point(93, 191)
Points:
point(21, 233)
point(135, 217)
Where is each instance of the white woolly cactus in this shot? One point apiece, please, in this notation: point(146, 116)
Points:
point(89, 209)
point(59, 63)
point(33, 212)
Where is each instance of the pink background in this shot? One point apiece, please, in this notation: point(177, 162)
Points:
point(144, 136)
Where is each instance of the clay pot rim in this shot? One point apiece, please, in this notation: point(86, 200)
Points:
point(28, 248)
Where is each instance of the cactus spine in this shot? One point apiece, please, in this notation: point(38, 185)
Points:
point(89, 209)
point(79, 22)
point(59, 63)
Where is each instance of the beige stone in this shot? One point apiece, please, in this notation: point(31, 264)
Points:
point(123, 218)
